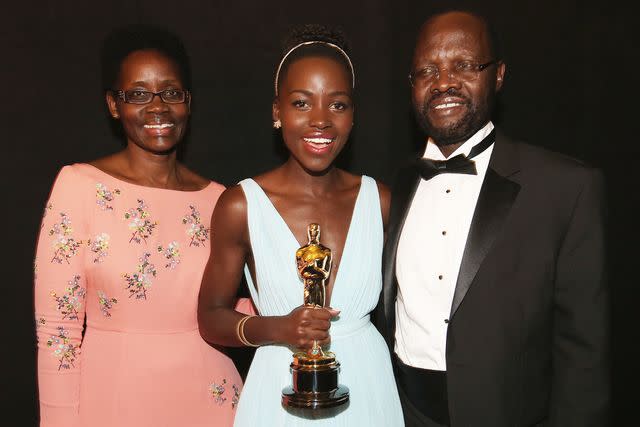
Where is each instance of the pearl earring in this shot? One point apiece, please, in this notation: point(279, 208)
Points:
point(277, 124)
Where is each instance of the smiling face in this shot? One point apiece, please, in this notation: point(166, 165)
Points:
point(155, 127)
point(315, 108)
point(448, 108)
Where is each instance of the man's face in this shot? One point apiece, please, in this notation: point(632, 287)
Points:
point(452, 104)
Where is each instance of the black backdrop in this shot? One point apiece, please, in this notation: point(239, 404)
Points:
point(569, 87)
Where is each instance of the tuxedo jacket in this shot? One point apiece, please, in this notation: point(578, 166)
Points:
point(527, 341)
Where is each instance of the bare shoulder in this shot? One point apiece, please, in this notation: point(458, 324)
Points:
point(269, 180)
point(229, 218)
point(232, 203)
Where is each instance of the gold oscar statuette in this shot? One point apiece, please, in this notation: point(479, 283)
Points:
point(315, 372)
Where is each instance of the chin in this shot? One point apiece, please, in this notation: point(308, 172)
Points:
point(317, 168)
point(161, 149)
point(451, 132)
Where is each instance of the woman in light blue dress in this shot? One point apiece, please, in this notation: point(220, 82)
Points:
point(259, 224)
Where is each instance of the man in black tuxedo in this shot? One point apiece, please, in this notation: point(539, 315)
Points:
point(494, 301)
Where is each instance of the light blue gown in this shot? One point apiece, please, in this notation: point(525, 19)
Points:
point(365, 363)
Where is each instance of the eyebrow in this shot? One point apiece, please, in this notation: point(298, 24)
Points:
point(164, 82)
point(309, 93)
point(463, 57)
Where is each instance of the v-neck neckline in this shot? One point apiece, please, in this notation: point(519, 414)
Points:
point(296, 243)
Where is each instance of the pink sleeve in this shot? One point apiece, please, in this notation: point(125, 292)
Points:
point(60, 300)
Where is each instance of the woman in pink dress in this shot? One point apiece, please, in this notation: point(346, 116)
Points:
point(122, 248)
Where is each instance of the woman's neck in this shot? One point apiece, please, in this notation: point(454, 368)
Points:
point(294, 175)
point(152, 169)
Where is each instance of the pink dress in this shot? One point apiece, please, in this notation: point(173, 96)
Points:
point(128, 260)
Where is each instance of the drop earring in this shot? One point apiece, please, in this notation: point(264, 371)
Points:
point(277, 124)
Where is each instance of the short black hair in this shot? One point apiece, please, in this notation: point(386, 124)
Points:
point(128, 39)
point(495, 46)
point(315, 32)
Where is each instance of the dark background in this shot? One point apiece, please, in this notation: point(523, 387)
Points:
point(569, 87)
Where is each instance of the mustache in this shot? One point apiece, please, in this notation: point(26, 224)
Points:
point(449, 92)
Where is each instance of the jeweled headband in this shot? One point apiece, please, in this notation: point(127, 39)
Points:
point(338, 48)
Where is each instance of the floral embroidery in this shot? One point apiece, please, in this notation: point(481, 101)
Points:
point(99, 246)
point(217, 390)
point(104, 197)
point(106, 303)
point(64, 244)
point(40, 322)
point(172, 254)
point(138, 283)
point(71, 302)
point(140, 223)
point(236, 396)
point(199, 233)
point(64, 350)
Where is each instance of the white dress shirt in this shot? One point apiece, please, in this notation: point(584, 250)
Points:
point(429, 255)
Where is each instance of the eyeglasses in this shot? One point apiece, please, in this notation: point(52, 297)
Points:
point(168, 96)
point(462, 70)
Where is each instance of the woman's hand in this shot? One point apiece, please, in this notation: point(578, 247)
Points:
point(304, 325)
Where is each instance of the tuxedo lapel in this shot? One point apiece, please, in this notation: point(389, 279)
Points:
point(402, 193)
point(496, 197)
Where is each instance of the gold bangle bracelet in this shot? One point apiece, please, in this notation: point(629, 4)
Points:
point(240, 332)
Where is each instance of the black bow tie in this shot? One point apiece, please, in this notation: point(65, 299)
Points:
point(459, 164)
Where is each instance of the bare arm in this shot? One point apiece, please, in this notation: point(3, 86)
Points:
point(230, 248)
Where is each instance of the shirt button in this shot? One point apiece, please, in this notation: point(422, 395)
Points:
point(446, 320)
point(440, 277)
point(448, 191)
point(444, 232)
